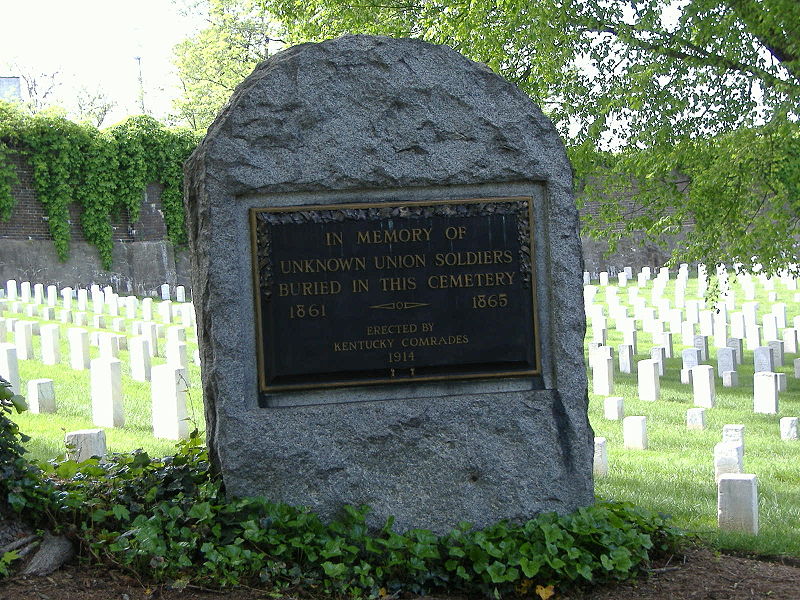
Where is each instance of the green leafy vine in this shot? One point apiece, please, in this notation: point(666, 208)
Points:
point(103, 171)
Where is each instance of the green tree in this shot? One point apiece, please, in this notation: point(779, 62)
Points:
point(690, 105)
point(239, 34)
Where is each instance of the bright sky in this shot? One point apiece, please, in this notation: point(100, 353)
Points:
point(93, 43)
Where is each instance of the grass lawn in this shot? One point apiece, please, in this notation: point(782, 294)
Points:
point(674, 475)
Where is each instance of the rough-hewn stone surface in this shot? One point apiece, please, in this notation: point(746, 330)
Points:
point(372, 119)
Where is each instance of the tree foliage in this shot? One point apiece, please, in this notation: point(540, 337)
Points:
point(692, 105)
point(214, 61)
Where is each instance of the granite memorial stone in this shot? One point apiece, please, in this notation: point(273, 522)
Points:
point(387, 278)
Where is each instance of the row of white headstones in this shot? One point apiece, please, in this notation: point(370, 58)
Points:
point(169, 381)
point(737, 492)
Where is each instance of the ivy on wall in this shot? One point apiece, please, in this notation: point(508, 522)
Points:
point(104, 171)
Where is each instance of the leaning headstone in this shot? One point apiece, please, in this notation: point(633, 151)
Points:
point(85, 443)
point(41, 396)
point(634, 433)
point(788, 427)
point(105, 383)
point(368, 184)
point(737, 503)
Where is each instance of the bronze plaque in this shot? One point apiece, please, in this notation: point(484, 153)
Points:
point(385, 293)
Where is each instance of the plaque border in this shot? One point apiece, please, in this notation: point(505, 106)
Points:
point(263, 388)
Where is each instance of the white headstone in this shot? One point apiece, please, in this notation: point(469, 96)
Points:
point(600, 466)
point(41, 396)
point(701, 343)
point(165, 291)
point(51, 347)
point(696, 418)
point(790, 340)
point(763, 360)
point(730, 379)
point(23, 339)
point(52, 295)
point(625, 358)
point(602, 375)
point(150, 331)
point(78, 340)
point(614, 408)
point(727, 459)
point(765, 393)
point(737, 503)
point(108, 343)
point(11, 290)
point(106, 392)
point(634, 433)
point(147, 309)
point(649, 384)
point(703, 386)
point(180, 294)
point(83, 299)
point(788, 428)
point(85, 443)
point(776, 346)
point(168, 393)
point(726, 359)
point(734, 434)
point(738, 347)
point(9, 366)
point(140, 358)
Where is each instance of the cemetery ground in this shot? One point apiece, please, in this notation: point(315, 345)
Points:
point(674, 475)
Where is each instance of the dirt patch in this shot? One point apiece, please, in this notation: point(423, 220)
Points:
point(697, 575)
